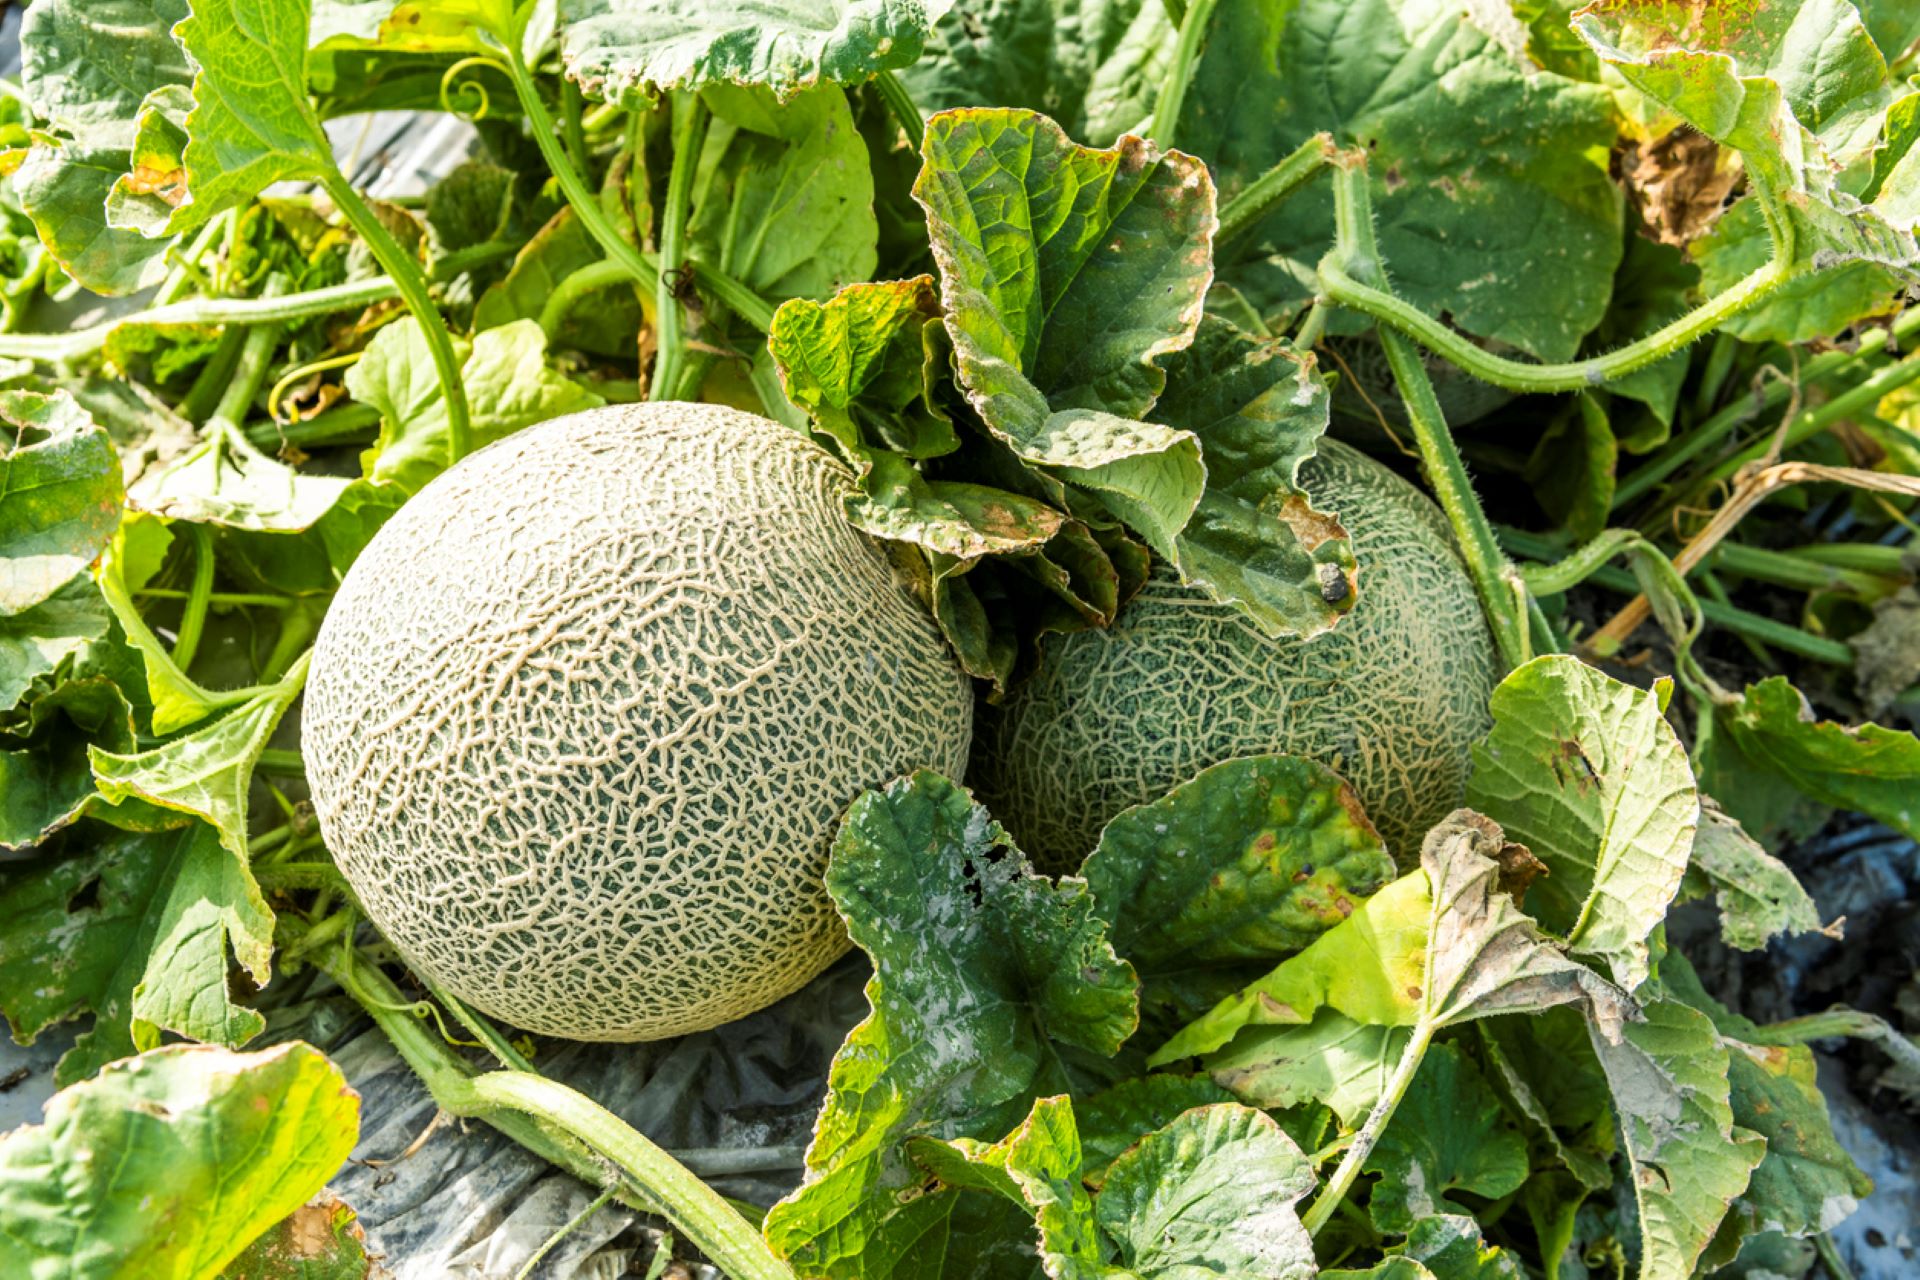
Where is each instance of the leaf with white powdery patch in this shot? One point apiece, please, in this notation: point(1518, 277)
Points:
point(1587, 773)
point(989, 982)
point(1759, 896)
point(1066, 273)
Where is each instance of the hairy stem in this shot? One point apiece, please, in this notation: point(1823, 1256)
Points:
point(193, 617)
point(412, 284)
point(902, 106)
point(689, 117)
point(1519, 375)
point(1325, 1204)
point(1502, 594)
point(1173, 89)
point(1266, 193)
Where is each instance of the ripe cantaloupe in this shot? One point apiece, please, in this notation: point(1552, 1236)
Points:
point(584, 716)
point(1392, 698)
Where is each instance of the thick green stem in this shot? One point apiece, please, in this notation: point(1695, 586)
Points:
point(1266, 192)
point(1784, 569)
point(249, 374)
point(1518, 375)
point(193, 617)
point(222, 599)
point(563, 1125)
point(350, 423)
point(1502, 594)
point(1173, 89)
point(1361, 1147)
point(748, 305)
point(412, 284)
point(571, 131)
point(1714, 377)
point(689, 115)
point(901, 104)
point(276, 760)
point(299, 875)
point(65, 348)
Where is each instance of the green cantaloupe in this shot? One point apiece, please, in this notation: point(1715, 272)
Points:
point(584, 716)
point(1392, 697)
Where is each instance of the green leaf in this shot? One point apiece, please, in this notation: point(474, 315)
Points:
point(1211, 1194)
point(622, 49)
point(1807, 308)
point(207, 1149)
point(508, 380)
point(787, 209)
point(60, 495)
point(1066, 273)
point(1797, 108)
point(1546, 1069)
point(1572, 468)
point(1669, 1079)
point(116, 913)
point(609, 327)
point(63, 187)
point(1587, 773)
point(1869, 768)
point(1251, 860)
point(1489, 176)
point(225, 480)
point(1111, 1121)
point(252, 124)
point(1094, 67)
point(48, 782)
point(35, 640)
point(1439, 946)
point(321, 1240)
point(1255, 541)
point(1451, 1247)
point(1759, 896)
point(857, 364)
point(986, 980)
point(1450, 1133)
point(1333, 1060)
point(207, 772)
point(86, 67)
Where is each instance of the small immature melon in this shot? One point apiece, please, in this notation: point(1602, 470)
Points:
point(585, 714)
point(1392, 698)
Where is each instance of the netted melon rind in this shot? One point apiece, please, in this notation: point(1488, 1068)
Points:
point(1392, 698)
point(584, 716)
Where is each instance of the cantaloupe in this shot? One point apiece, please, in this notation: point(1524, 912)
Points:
point(584, 716)
point(1392, 698)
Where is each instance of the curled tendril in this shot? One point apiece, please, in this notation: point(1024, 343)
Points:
point(452, 86)
point(300, 372)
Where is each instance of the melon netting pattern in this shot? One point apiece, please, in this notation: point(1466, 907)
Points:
point(585, 715)
point(1392, 698)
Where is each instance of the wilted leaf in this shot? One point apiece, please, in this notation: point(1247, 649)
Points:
point(1587, 773)
point(321, 1240)
point(1759, 897)
point(986, 980)
point(170, 1163)
point(60, 495)
point(143, 199)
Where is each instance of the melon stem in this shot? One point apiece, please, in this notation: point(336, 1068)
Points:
point(560, 1124)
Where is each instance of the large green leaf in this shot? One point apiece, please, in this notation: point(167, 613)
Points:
point(46, 780)
point(1249, 861)
point(1546, 1069)
point(1111, 1121)
point(1094, 66)
point(787, 207)
point(1333, 1060)
point(1489, 176)
point(1797, 105)
point(1668, 1074)
point(252, 123)
point(509, 383)
point(1066, 273)
point(169, 1164)
point(1807, 308)
point(1255, 541)
point(63, 186)
point(226, 480)
point(86, 66)
point(60, 495)
point(987, 980)
point(1869, 768)
point(1450, 1134)
point(1587, 773)
point(619, 49)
